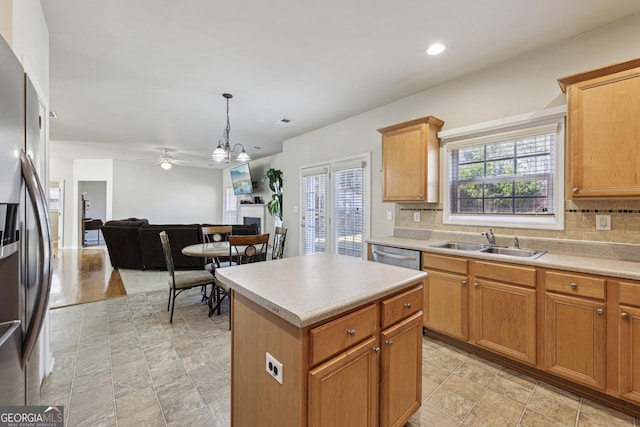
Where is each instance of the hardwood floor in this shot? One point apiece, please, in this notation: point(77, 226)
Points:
point(84, 275)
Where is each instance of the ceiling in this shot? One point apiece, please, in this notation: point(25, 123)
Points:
point(131, 78)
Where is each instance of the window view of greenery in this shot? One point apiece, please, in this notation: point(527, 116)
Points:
point(507, 177)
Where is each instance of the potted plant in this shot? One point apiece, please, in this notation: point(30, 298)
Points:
point(274, 177)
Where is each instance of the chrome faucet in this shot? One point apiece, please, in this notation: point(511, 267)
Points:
point(516, 242)
point(491, 238)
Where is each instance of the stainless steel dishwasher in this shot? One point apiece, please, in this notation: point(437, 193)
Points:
point(408, 258)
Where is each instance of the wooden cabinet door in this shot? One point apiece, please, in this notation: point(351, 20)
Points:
point(603, 155)
point(344, 390)
point(446, 304)
point(506, 319)
point(574, 339)
point(629, 353)
point(401, 382)
point(404, 165)
point(410, 161)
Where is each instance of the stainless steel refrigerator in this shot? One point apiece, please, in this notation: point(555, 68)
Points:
point(25, 236)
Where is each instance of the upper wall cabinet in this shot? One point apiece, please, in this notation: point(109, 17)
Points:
point(603, 138)
point(410, 161)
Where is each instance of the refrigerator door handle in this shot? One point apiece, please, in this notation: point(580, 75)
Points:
point(43, 224)
point(11, 327)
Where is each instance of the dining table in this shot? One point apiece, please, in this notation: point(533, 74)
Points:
point(209, 250)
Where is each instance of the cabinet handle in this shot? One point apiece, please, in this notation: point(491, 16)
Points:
point(351, 332)
point(600, 311)
point(388, 342)
point(624, 315)
point(463, 283)
point(475, 284)
point(376, 349)
point(575, 190)
point(407, 305)
point(574, 285)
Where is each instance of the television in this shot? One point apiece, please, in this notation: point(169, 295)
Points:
point(241, 179)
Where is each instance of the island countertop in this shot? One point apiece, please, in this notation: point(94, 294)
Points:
point(308, 289)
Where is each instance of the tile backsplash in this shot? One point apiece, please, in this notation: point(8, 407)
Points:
point(580, 221)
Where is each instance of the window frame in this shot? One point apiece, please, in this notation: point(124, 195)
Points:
point(494, 131)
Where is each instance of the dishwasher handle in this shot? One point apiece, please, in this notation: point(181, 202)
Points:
point(395, 256)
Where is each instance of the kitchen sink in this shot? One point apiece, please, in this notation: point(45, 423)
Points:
point(483, 248)
point(525, 253)
point(459, 246)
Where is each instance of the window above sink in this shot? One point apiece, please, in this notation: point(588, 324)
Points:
point(506, 173)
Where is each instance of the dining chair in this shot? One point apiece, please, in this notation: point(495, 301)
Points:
point(182, 280)
point(211, 234)
point(242, 250)
point(278, 243)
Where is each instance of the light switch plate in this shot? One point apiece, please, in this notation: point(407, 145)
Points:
point(416, 216)
point(389, 216)
point(603, 222)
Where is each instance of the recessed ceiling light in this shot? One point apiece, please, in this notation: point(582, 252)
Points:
point(435, 49)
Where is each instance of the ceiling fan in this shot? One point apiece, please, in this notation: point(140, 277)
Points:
point(166, 161)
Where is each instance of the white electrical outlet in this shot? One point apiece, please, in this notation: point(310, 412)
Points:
point(389, 216)
point(416, 216)
point(603, 222)
point(274, 368)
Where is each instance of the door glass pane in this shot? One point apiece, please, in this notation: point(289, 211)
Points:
point(315, 213)
point(348, 212)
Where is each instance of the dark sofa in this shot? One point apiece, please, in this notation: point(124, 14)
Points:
point(135, 244)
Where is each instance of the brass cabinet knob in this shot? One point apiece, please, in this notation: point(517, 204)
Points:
point(600, 311)
point(574, 285)
point(351, 332)
point(376, 349)
point(575, 190)
point(463, 283)
point(407, 305)
point(475, 284)
point(624, 315)
point(389, 342)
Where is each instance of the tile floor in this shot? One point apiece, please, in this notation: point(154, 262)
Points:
point(121, 363)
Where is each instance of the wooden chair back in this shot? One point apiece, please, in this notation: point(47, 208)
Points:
point(216, 233)
point(247, 249)
point(166, 248)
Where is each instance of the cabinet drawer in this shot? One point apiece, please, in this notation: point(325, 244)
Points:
point(575, 284)
point(401, 306)
point(444, 262)
point(629, 293)
point(333, 337)
point(512, 274)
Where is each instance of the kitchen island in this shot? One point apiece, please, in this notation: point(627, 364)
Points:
point(324, 340)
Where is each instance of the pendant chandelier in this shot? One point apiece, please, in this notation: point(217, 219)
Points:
point(223, 151)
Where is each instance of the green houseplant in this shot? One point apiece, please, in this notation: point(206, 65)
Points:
point(274, 178)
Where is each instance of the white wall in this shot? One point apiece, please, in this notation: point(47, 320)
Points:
point(258, 169)
point(180, 195)
point(62, 170)
point(524, 84)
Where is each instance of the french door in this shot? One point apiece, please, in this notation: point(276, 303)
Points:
point(335, 212)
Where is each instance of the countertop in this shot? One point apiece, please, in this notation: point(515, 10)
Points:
point(305, 290)
point(579, 263)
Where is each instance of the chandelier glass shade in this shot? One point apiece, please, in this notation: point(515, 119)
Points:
point(223, 151)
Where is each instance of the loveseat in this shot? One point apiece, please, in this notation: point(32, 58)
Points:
point(133, 243)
